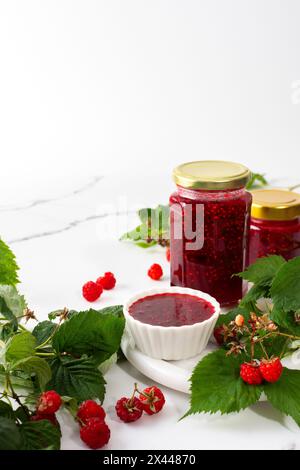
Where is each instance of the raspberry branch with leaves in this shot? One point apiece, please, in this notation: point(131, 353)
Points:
point(253, 340)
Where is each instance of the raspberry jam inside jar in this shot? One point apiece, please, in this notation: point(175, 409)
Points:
point(275, 224)
point(210, 218)
point(171, 309)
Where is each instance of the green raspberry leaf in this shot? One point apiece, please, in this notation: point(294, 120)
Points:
point(116, 310)
point(284, 394)
point(154, 227)
point(263, 270)
point(35, 365)
point(8, 266)
point(285, 320)
point(20, 347)
point(13, 300)
point(43, 331)
point(258, 291)
point(78, 378)
point(6, 410)
point(40, 435)
point(134, 235)
point(90, 333)
point(257, 180)
point(216, 385)
point(285, 290)
point(10, 437)
point(12, 306)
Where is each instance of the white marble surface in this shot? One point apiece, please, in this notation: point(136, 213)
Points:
point(57, 235)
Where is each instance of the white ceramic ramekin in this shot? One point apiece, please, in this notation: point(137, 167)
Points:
point(171, 342)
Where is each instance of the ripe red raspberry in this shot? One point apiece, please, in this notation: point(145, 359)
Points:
point(152, 400)
point(219, 335)
point(168, 254)
point(51, 418)
point(91, 291)
point(108, 281)
point(49, 402)
point(271, 370)
point(250, 373)
point(129, 409)
point(155, 272)
point(90, 409)
point(95, 433)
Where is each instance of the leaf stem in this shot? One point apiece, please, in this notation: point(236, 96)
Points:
point(45, 354)
point(264, 350)
point(15, 396)
point(40, 346)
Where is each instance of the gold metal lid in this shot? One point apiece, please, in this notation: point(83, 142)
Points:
point(211, 175)
point(275, 204)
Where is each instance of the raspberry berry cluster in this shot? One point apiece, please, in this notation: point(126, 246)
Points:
point(239, 333)
point(94, 431)
point(255, 372)
point(151, 400)
point(91, 290)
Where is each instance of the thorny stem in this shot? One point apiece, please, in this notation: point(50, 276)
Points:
point(260, 342)
point(252, 342)
point(277, 333)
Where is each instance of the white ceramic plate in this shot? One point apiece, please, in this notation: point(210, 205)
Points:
point(173, 374)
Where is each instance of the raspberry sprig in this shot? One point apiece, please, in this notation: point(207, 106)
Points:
point(257, 330)
point(150, 400)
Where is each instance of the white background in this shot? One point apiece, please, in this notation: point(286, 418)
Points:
point(129, 89)
point(93, 86)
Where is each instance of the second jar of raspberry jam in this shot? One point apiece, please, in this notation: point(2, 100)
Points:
point(275, 224)
point(210, 217)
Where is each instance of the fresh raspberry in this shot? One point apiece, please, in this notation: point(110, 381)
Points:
point(155, 272)
point(219, 335)
point(49, 402)
point(168, 254)
point(152, 400)
point(91, 291)
point(95, 433)
point(271, 369)
point(51, 418)
point(108, 281)
point(250, 373)
point(90, 409)
point(129, 409)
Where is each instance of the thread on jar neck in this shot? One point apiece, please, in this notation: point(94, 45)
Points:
point(209, 195)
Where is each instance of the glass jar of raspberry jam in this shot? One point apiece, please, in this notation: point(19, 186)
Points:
point(210, 218)
point(275, 224)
